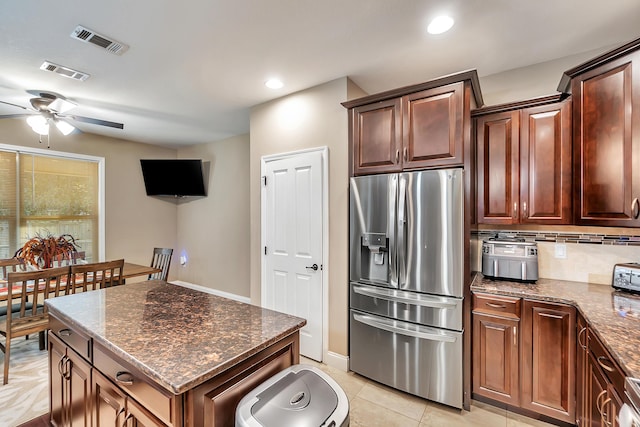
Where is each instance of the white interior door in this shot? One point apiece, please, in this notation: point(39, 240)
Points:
point(292, 209)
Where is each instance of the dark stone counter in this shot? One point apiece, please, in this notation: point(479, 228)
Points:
point(177, 336)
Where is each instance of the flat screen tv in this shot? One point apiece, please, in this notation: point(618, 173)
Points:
point(178, 178)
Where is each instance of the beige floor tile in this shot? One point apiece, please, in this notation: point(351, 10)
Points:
point(479, 415)
point(517, 420)
point(350, 382)
point(410, 406)
point(364, 413)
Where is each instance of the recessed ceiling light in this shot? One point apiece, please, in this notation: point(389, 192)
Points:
point(440, 24)
point(274, 83)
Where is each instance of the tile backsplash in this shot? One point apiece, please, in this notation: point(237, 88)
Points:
point(590, 254)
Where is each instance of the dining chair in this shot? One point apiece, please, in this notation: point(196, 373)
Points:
point(73, 258)
point(8, 265)
point(97, 275)
point(27, 291)
point(161, 259)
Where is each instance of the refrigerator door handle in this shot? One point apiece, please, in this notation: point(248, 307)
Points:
point(400, 230)
point(421, 332)
point(420, 300)
point(391, 231)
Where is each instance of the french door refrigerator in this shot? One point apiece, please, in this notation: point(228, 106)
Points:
point(406, 281)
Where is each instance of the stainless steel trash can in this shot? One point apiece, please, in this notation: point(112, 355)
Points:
point(300, 396)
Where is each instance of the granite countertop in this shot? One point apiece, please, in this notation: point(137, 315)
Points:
point(177, 336)
point(613, 315)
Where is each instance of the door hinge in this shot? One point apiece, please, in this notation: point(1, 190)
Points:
point(265, 250)
point(264, 180)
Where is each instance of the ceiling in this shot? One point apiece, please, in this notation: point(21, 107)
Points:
point(193, 69)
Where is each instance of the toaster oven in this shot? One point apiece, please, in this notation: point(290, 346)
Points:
point(510, 258)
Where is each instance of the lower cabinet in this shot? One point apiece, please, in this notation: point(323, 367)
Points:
point(70, 382)
point(548, 359)
point(524, 354)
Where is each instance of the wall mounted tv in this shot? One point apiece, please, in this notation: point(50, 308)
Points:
point(177, 178)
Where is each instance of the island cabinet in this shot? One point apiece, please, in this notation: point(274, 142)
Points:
point(414, 127)
point(524, 354)
point(606, 133)
point(156, 354)
point(524, 162)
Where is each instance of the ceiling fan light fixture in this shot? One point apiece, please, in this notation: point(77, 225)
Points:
point(61, 105)
point(36, 121)
point(64, 127)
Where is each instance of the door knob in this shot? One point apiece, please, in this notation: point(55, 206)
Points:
point(314, 267)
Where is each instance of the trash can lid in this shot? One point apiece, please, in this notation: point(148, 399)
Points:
point(300, 398)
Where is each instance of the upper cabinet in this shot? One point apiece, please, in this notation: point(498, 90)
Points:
point(606, 133)
point(524, 162)
point(415, 127)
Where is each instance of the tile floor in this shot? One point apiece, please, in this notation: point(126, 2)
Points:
point(372, 404)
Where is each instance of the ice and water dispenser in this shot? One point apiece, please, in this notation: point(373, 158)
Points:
point(374, 257)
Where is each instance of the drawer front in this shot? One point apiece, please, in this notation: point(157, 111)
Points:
point(497, 305)
point(79, 342)
point(132, 382)
point(602, 357)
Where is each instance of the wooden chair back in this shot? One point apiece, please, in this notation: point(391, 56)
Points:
point(27, 292)
point(97, 275)
point(161, 259)
point(9, 265)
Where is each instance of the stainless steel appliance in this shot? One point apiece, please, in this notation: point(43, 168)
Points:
point(406, 281)
point(626, 277)
point(629, 415)
point(510, 258)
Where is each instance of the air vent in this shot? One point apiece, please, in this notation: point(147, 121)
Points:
point(64, 71)
point(89, 36)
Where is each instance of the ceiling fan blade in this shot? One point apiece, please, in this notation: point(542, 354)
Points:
point(95, 121)
point(14, 105)
point(14, 116)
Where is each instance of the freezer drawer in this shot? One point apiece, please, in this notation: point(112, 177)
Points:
point(420, 360)
point(429, 310)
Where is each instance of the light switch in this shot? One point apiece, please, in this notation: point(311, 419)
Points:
point(561, 251)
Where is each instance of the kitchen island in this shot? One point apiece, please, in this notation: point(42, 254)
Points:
point(161, 354)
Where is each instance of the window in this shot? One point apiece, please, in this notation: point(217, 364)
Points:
point(50, 193)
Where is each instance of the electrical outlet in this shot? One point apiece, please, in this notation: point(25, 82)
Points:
point(183, 260)
point(561, 251)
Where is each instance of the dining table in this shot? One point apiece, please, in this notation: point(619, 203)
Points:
point(129, 270)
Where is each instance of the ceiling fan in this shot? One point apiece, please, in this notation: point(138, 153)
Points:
point(49, 108)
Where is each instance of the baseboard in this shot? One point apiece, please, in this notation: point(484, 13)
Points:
point(212, 291)
point(337, 361)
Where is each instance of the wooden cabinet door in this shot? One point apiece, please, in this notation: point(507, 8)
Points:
point(78, 372)
point(548, 359)
point(432, 127)
point(109, 403)
point(497, 139)
point(137, 416)
point(607, 143)
point(57, 354)
point(582, 373)
point(495, 358)
point(377, 137)
point(597, 387)
point(545, 164)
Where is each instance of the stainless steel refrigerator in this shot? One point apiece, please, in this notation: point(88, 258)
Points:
point(406, 281)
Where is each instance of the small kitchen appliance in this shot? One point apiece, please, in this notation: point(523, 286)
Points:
point(510, 258)
point(626, 277)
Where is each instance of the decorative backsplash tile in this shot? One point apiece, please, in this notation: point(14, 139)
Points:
point(561, 237)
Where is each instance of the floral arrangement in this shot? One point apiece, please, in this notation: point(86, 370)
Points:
point(41, 251)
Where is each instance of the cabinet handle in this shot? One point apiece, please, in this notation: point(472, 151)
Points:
point(515, 337)
point(598, 402)
point(606, 366)
point(126, 420)
point(397, 156)
point(406, 153)
point(605, 415)
point(635, 208)
point(583, 330)
point(524, 209)
point(494, 305)
point(65, 332)
point(124, 378)
point(515, 210)
point(60, 365)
